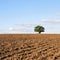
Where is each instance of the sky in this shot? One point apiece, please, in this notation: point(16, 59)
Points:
point(21, 16)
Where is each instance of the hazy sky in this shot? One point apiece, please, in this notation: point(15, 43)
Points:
point(22, 15)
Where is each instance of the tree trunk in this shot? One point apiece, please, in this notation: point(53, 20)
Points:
point(39, 32)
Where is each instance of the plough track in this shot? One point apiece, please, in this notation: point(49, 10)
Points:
point(30, 47)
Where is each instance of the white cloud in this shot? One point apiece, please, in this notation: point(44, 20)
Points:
point(10, 28)
point(19, 29)
point(51, 20)
point(26, 25)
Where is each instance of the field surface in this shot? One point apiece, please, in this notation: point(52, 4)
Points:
point(29, 47)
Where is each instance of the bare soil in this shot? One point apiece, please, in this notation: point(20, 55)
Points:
point(29, 47)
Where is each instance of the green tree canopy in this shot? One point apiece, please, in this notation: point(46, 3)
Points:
point(39, 29)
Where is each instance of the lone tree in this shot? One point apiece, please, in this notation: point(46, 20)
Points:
point(39, 29)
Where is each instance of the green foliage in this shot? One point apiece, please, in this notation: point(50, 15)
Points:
point(39, 29)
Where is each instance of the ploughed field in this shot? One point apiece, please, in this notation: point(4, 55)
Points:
point(29, 47)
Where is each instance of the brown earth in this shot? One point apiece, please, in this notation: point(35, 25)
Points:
point(29, 47)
